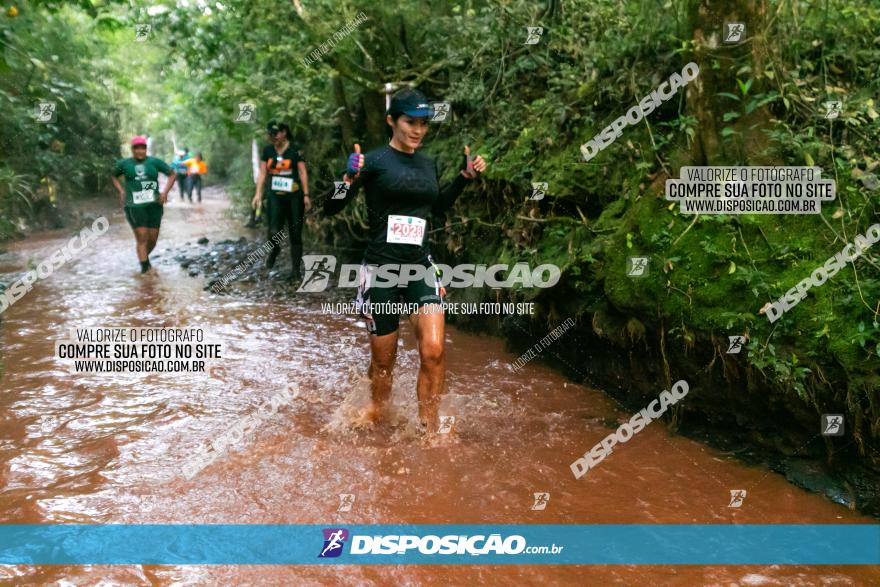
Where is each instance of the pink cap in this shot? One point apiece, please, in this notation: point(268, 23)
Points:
point(138, 140)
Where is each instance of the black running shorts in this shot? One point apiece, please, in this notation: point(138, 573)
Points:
point(381, 305)
point(149, 216)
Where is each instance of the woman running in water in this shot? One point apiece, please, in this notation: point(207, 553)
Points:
point(402, 192)
point(141, 198)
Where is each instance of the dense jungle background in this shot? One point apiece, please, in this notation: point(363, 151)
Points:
point(527, 108)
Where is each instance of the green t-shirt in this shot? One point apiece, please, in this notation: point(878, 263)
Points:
point(141, 179)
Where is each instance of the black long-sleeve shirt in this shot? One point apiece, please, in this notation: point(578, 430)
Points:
point(400, 184)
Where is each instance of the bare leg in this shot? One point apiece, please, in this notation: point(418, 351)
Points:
point(152, 237)
point(430, 326)
point(141, 235)
point(383, 350)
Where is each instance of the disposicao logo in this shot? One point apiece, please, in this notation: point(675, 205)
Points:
point(449, 545)
point(334, 540)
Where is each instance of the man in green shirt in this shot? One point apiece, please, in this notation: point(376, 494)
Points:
point(140, 196)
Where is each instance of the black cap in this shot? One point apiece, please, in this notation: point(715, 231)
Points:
point(274, 127)
point(410, 102)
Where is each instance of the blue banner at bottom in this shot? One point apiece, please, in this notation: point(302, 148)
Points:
point(520, 544)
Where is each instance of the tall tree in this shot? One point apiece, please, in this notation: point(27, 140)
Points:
point(731, 74)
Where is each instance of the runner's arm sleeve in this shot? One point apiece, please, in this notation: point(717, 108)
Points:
point(368, 171)
point(332, 206)
point(449, 193)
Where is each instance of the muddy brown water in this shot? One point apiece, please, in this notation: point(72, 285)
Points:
point(105, 448)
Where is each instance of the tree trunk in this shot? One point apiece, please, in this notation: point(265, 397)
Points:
point(747, 143)
point(343, 113)
point(374, 117)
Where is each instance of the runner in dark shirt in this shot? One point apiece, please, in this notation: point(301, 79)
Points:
point(402, 193)
point(397, 183)
point(284, 176)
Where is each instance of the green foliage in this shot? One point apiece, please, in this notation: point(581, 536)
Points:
point(49, 54)
point(15, 194)
point(786, 372)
